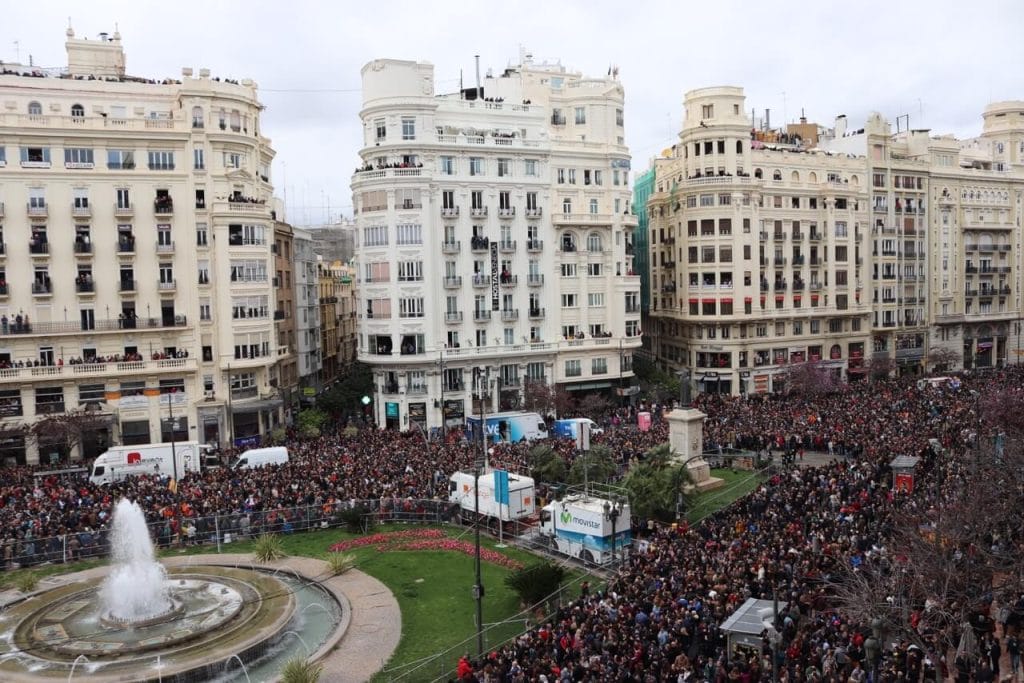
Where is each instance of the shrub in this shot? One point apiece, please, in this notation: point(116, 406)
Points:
point(26, 582)
point(339, 563)
point(268, 548)
point(537, 582)
point(355, 519)
point(299, 670)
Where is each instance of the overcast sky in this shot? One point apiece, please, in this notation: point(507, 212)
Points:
point(937, 60)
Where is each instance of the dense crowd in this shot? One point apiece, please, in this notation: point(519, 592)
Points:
point(658, 620)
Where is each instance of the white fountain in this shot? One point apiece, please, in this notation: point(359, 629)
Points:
point(136, 588)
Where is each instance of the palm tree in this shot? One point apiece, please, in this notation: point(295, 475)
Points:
point(657, 486)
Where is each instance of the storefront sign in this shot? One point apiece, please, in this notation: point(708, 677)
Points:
point(391, 410)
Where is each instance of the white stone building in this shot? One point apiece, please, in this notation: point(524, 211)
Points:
point(136, 230)
point(493, 239)
point(307, 317)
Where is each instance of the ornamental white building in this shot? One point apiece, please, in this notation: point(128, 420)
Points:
point(135, 269)
point(493, 239)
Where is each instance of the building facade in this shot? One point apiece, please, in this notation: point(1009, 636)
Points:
point(285, 315)
point(848, 249)
point(643, 187)
point(329, 286)
point(136, 224)
point(492, 229)
point(307, 317)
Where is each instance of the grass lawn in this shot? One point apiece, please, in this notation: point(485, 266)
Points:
point(737, 484)
point(433, 589)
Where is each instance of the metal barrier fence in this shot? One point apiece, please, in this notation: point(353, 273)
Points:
point(218, 530)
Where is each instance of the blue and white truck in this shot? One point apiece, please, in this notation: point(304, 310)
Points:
point(510, 427)
point(594, 530)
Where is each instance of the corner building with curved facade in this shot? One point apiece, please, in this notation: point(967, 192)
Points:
point(493, 240)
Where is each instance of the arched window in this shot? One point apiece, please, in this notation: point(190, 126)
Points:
point(197, 117)
point(812, 178)
point(835, 352)
point(739, 146)
point(568, 241)
point(777, 175)
point(35, 109)
point(757, 173)
point(593, 242)
point(77, 111)
point(795, 177)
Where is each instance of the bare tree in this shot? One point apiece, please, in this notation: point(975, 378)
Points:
point(593, 406)
point(810, 380)
point(538, 396)
point(948, 555)
point(943, 359)
point(880, 367)
point(68, 430)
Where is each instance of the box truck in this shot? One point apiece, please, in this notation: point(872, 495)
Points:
point(585, 527)
point(120, 462)
point(504, 496)
point(511, 427)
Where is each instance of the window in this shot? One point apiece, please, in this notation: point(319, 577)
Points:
point(249, 307)
point(707, 111)
point(408, 128)
point(572, 176)
point(378, 309)
point(573, 368)
point(595, 299)
point(35, 109)
point(232, 160)
point(78, 157)
point(202, 235)
point(381, 129)
point(410, 307)
point(409, 271)
point(250, 270)
point(560, 175)
point(35, 156)
point(447, 165)
point(599, 366)
point(166, 274)
point(593, 207)
point(594, 269)
point(375, 236)
point(598, 178)
point(409, 233)
point(619, 118)
point(566, 205)
point(568, 270)
point(476, 166)
point(581, 116)
point(161, 160)
point(570, 300)
point(120, 159)
point(503, 167)
point(530, 167)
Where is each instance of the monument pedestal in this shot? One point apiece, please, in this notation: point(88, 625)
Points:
point(686, 437)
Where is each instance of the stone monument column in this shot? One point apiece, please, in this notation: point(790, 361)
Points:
point(686, 437)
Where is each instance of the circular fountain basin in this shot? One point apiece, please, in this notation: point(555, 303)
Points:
point(216, 612)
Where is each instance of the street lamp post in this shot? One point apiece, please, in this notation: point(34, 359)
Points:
point(481, 464)
point(612, 512)
point(174, 467)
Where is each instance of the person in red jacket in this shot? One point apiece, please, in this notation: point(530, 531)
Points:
point(464, 671)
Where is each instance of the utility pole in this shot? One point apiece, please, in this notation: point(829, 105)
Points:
point(478, 588)
point(174, 467)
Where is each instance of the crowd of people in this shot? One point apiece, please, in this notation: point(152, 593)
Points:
point(659, 618)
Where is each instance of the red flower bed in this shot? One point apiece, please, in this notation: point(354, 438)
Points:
point(425, 539)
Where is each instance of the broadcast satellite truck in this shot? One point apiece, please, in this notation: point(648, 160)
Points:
point(504, 496)
point(509, 427)
point(579, 526)
point(121, 462)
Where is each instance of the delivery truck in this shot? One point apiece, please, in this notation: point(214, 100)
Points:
point(511, 427)
point(594, 530)
point(504, 496)
point(120, 462)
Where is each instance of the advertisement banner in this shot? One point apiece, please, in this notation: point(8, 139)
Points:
point(494, 276)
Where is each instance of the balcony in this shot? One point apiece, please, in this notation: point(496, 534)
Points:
point(536, 314)
point(102, 325)
point(126, 245)
point(451, 247)
point(798, 260)
point(85, 287)
point(507, 246)
point(669, 288)
point(480, 280)
point(817, 261)
point(778, 237)
point(534, 280)
point(449, 212)
point(37, 212)
point(80, 211)
point(780, 260)
point(506, 212)
point(163, 248)
point(83, 249)
point(780, 286)
point(970, 292)
point(279, 314)
point(1, 209)
point(668, 264)
point(453, 387)
point(128, 286)
point(163, 207)
point(799, 285)
point(534, 246)
point(453, 282)
point(533, 213)
point(814, 236)
point(42, 289)
point(38, 249)
point(479, 244)
point(481, 316)
point(453, 317)
point(582, 218)
point(764, 236)
point(123, 210)
point(509, 314)
point(3, 289)
point(508, 280)
point(799, 235)
point(166, 286)
point(478, 212)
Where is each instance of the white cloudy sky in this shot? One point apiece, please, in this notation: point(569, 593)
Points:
point(940, 58)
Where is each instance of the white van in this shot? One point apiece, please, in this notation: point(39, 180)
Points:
point(258, 457)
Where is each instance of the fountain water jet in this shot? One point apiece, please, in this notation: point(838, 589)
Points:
point(136, 589)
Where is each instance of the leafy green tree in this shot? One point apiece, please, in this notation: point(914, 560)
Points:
point(658, 385)
point(345, 396)
point(546, 464)
point(536, 583)
point(311, 421)
point(656, 485)
point(598, 465)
